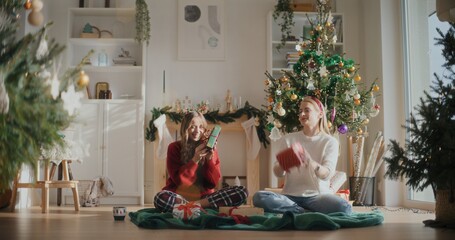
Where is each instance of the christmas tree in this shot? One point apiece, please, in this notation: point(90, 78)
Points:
point(35, 102)
point(333, 79)
point(428, 157)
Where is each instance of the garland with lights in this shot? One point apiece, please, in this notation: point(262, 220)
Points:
point(214, 117)
point(331, 78)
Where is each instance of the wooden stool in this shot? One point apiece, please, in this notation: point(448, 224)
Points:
point(60, 177)
point(45, 184)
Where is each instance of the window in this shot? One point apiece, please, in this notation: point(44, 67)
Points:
point(422, 60)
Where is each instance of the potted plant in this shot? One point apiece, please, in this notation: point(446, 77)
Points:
point(284, 11)
point(142, 22)
point(428, 158)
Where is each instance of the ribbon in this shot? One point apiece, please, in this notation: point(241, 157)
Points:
point(187, 209)
point(345, 191)
point(238, 219)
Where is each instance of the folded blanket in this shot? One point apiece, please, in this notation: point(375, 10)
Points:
point(151, 218)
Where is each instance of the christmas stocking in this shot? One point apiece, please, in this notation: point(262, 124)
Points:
point(253, 144)
point(164, 136)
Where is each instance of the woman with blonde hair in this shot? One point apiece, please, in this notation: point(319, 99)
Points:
point(194, 171)
point(307, 175)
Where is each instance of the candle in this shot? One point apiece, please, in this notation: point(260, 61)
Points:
point(240, 102)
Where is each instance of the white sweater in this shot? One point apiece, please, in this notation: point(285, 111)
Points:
point(302, 181)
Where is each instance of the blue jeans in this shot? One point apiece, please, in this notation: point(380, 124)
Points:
point(279, 203)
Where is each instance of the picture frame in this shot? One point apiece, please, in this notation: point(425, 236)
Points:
point(101, 86)
point(201, 30)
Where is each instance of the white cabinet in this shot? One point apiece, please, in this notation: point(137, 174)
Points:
point(113, 128)
point(277, 59)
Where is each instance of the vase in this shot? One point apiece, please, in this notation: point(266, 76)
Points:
point(445, 210)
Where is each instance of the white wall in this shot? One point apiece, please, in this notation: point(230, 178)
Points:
point(372, 35)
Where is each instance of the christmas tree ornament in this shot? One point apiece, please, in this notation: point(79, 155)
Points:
point(71, 100)
point(343, 128)
point(275, 134)
point(83, 80)
point(55, 86)
point(35, 18)
point(365, 121)
point(294, 96)
point(28, 4)
point(375, 88)
point(281, 112)
point(277, 123)
point(257, 122)
point(374, 113)
point(356, 96)
point(357, 102)
point(37, 5)
point(359, 131)
point(352, 69)
point(357, 78)
point(42, 49)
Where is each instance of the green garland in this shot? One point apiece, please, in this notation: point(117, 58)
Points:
point(213, 117)
point(142, 22)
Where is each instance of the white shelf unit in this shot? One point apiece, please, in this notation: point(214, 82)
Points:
point(277, 58)
point(113, 128)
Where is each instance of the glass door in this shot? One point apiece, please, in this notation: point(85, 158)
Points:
point(422, 60)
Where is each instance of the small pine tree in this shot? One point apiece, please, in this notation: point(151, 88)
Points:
point(31, 114)
point(428, 158)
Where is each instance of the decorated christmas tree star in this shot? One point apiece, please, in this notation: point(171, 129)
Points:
point(331, 78)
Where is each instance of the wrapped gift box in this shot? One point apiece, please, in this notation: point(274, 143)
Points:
point(187, 211)
point(343, 193)
point(244, 210)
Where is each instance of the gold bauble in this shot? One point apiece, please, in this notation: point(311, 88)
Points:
point(359, 131)
point(365, 121)
point(340, 64)
point(293, 96)
point(35, 18)
point(375, 88)
point(357, 102)
point(357, 77)
point(346, 75)
point(279, 104)
point(352, 69)
point(83, 79)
